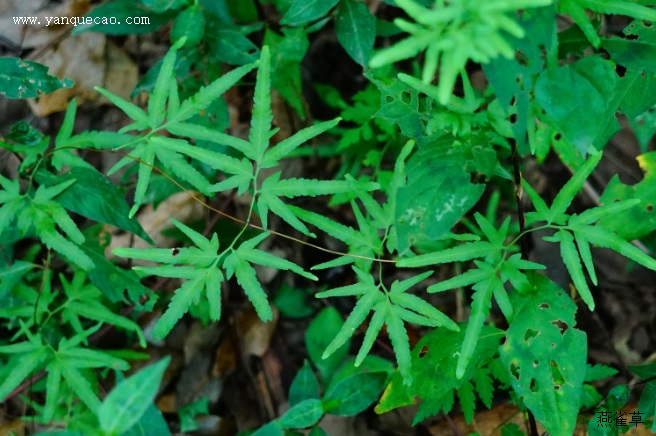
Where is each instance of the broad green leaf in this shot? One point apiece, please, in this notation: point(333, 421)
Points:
point(352, 395)
point(513, 79)
point(95, 197)
point(641, 217)
point(572, 187)
point(302, 415)
point(561, 92)
point(636, 53)
point(605, 238)
point(318, 336)
point(304, 11)
point(356, 30)
point(287, 53)
point(545, 355)
point(305, 385)
point(271, 429)
point(261, 132)
point(119, 18)
point(573, 263)
point(248, 281)
point(129, 400)
point(460, 253)
point(189, 24)
point(437, 194)
point(27, 79)
point(230, 44)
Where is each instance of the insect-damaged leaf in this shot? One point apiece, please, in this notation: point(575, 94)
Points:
point(545, 355)
point(438, 193)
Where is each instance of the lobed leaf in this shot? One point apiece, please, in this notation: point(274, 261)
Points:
point(461, 253)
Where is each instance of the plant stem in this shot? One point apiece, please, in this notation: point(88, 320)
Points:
point(517, 174)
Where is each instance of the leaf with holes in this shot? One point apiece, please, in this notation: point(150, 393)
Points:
point(546, 356)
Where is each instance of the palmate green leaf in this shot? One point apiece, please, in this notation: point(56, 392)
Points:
point(480, 309)
point(355, 318)
point(434, 367)
point(160, 93)
point(544, 355)
point(93, 309)
point(424, 308)
point(572, 187)
point(53, 385)
point(206, 95)
point(467, 278)
point(215, 160)
point(186, 295)
point(467, 400)
point(573, 263)
point(263, 258)
point(81, 387)
point(268, 202)
point(586, 256)
point(400, 342)
point(204, 133)
point(262, 119)
point(145, 170)
point(461, 253)
point(21, 367)
point(286, 146)
point(128, 401)
point(375, 325)
point(130, 109)
point(247, 279)
point(592, 215)
point(355, 27)
point(605, 238)
point(178, 166)
point(484, 386)
point(292, 187)
point(346, 234)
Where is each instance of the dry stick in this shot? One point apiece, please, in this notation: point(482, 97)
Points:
point(517, 175)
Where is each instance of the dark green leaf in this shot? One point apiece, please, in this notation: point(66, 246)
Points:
point(27, 79)
point(352, 395)
point(319, 334)
point(305, 11)
point(302, 415)
point(356, 30)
